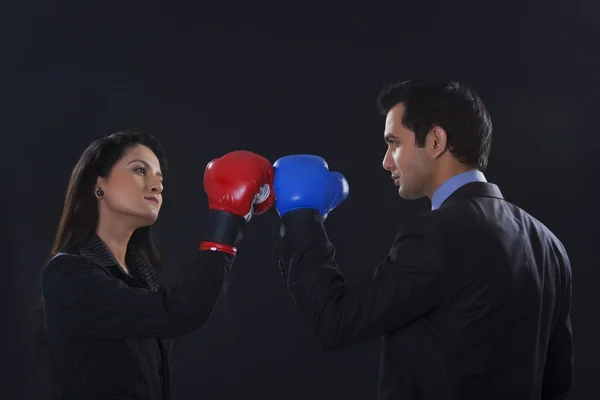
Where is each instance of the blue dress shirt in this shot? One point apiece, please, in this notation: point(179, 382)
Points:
point(452, 184)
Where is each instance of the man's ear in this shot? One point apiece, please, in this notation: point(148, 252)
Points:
point(437, 142)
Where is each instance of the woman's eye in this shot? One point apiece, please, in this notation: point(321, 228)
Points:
point(142, 170)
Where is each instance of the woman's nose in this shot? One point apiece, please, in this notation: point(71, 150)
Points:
point(157, 187)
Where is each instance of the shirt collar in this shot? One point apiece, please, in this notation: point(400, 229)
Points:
point(452, 184)
point(97, 251)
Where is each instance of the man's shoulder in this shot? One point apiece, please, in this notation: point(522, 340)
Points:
point(540, 229)
point(479, 210)
point(484, 213)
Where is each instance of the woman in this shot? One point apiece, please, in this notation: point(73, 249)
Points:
point(108, 316)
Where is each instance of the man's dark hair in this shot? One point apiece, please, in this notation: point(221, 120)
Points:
point(453, 107)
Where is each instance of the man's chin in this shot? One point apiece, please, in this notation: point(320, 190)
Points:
point(407, 194)
point(403, 193)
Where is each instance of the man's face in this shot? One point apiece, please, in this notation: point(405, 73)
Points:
point(410, 166)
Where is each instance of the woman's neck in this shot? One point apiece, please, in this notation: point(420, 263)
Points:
point(116, 237)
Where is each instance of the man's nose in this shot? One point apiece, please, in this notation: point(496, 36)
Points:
point(388, 162)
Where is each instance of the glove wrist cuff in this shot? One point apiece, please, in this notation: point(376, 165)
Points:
point(300, 217)
point(224, 228)
point(212, 246)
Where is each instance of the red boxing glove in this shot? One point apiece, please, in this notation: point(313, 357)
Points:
point(240, 182)
point(238, 185)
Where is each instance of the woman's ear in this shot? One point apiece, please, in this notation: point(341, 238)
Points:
point(98, 189)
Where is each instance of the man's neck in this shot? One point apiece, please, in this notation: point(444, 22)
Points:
point(115, 234)
point(444, 173)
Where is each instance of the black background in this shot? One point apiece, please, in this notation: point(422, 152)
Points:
point(278, 80)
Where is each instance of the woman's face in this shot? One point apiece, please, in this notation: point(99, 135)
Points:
point(133, 189)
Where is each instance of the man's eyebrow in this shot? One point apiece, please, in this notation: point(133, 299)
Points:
point(389, 137)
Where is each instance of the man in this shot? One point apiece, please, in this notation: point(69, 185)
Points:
point(473, 299)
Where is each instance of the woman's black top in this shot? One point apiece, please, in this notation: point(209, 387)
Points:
point(109, 331)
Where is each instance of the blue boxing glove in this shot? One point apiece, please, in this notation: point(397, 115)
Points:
point(304, 182)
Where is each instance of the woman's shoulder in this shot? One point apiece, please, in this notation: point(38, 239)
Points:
point(63, 262)
point(65, 255)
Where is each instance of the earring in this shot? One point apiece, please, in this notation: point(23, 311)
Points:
point(100, 192)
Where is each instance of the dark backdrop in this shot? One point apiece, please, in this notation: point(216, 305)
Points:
point(294, 78)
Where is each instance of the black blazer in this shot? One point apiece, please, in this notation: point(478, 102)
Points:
point(472, 301)
point(109, 331)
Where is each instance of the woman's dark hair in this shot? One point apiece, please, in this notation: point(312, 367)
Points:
point(80, 210)
point(80, 217)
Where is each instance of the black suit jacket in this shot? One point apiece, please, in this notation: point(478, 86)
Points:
point(109, 331)
point(472, 301)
